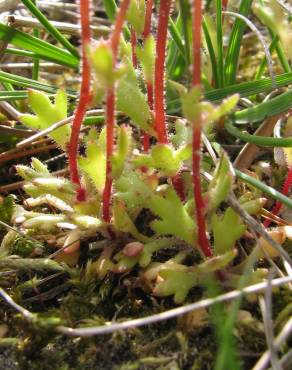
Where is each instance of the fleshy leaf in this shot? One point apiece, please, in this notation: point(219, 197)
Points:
point(47, 114)
point(94, 164)
point(192, 108)
point(177, 283)
point(123, 222)
point(174, 217)
point(164, 158)
point(221, 183)
point(227, 230)
point(136, 15)
point(146, 56)
point(122, 150)
point(132, 102)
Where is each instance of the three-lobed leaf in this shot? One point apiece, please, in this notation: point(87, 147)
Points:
point(48, 113)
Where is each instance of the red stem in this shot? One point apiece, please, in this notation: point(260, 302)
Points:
point(160, 125)
point(110, 111)
point(224, 4)
point(286, 187)
point(148, 17)
point(134, 46)
point(146, 33)
point(83, 101)
point(196, 79)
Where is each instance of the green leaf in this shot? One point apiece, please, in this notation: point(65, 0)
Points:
point(161, 157)
point(94, 164)
point(221, 183)
point(146, 56)
point(132, 102)
point(227, 229)
point(173, 215)
point(136, 15)
point(103, 65)
point(174, 218)
point(6, 209)
point(123, 150)
point(123, 222)
point(47, 114)
point(216, 263)
point(177, 283)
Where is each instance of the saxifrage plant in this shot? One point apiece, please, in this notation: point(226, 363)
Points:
point(121, 176)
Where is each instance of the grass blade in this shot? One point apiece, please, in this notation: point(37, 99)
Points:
point(185, 16)
point(50, 28)
point(258, 140)
point(211, 52)
point(29, 83)
point(42, 49)
point(220, 62)
point(20, 52)
point(12, 95)
point(235, 39)
point(266, 109)
point(264, 188)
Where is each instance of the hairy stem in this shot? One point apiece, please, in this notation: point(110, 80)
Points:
point(159, 109)
point(149, 84)
point(134, 46)
point(196, 80)
point(83, 101)
point(110, 111)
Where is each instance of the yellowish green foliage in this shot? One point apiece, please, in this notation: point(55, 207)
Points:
point(131, 100)
point(136, 15)
point(94, 163)
point(48, 113)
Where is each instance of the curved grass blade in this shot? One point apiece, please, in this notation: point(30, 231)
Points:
point(264, 188)
point(42, 49)
point(50, 28)
point(265, 110)
point(258, 140)
point(233, 50)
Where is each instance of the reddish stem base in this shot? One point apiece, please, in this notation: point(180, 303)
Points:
point(200, 205)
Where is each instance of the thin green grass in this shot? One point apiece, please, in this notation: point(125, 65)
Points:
point(220, 61)
point(42, 49)
point(235, 42)
point(51, 28)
